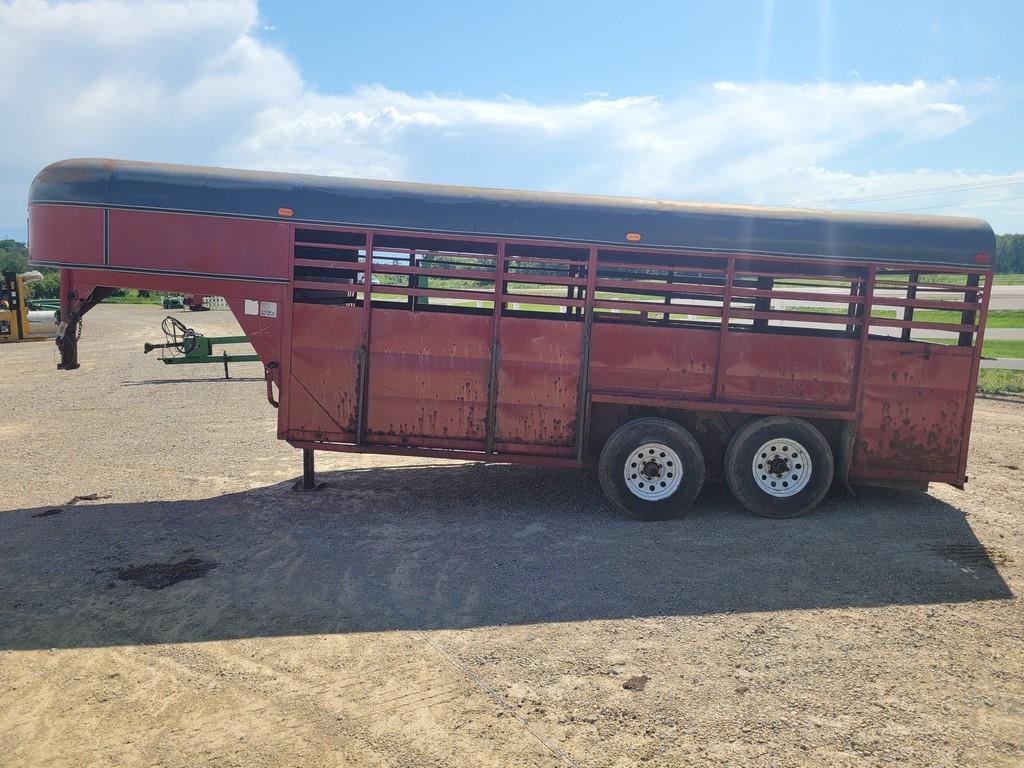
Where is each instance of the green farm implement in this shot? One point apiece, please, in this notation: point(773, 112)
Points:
point(183, 345)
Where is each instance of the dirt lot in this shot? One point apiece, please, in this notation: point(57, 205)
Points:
point(421, 613)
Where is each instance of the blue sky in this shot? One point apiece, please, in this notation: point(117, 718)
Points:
point(760, 102)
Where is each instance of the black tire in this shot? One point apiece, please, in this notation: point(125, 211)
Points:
point(814, 477)
point(647, 432)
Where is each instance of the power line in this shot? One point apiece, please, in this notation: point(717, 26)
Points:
point(996, 181)
point(953, 205)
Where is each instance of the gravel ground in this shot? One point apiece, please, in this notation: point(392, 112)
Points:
point(422, 613)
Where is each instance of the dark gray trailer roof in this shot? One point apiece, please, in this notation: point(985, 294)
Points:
point(505, 213)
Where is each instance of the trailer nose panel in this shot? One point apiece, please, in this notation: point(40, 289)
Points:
point(66, 235)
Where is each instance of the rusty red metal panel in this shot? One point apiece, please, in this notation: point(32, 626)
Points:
point(322, 391)
point(538, 382)
point(912, 410)
point(206, 245)
point(668, 361)
point(792, 369)
point(428, 377)
point(66, 234)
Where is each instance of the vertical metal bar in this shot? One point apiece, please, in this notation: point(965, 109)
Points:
point(908, 312)
point(364, 344)
point(570, 291)
point(972, 386)
point(669, 280)
point(865, 322)
point(413, 281)
point(106, 236)
point(287, 299)
point(719, 378)
point(492, 383)
point(853, 308)
point(581, 291)
point(857, 390)
point(763, 303)
point(582, 396)
point(968, 315)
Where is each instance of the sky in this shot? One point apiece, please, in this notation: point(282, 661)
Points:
point(883, 106)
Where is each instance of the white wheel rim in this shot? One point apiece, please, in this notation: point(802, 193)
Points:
point(781, 467)
point(653, 471)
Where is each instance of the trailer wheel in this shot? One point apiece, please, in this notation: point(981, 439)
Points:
point(779, 467)
point(651, 469)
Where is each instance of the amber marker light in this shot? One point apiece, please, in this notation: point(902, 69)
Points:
point(285, 212)
point(634, 237)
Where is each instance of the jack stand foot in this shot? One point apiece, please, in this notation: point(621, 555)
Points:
point(308, 482)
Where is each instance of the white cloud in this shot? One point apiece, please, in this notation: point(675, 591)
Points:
point(193, 82)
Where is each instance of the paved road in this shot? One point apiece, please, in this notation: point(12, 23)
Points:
point(1013, 365)
point(1007, 297)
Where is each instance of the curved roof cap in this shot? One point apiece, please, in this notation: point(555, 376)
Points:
point(542, 215)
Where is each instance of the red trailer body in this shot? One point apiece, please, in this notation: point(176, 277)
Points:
point(520, 327)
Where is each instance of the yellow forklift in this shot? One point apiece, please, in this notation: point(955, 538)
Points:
point(17, 322)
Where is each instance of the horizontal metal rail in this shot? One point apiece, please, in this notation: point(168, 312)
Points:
point(834, 298)
point(797, 317)
point(914, 324)
point(659, 307)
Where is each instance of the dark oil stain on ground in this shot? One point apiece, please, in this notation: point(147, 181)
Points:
point(636, 683)
point(160, 575)
point(48, 512)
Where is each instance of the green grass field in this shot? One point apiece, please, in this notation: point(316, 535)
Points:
point(1000, 349)
point(997, 318)
point(1003, 348)
point(995, 381)
point(1009, 280)
point(132, 297)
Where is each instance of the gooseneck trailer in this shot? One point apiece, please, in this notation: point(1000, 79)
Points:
point(662, 342)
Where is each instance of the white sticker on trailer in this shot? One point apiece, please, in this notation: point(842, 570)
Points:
point(252, 307)
point(268, 309)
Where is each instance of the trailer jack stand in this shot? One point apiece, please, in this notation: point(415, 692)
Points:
point(308, 482)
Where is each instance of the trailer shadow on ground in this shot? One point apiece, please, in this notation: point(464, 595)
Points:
point(456, 546)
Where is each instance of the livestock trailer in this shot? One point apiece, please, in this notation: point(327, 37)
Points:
point(661, 342)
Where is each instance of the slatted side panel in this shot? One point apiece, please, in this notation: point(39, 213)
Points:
point(486, 345)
